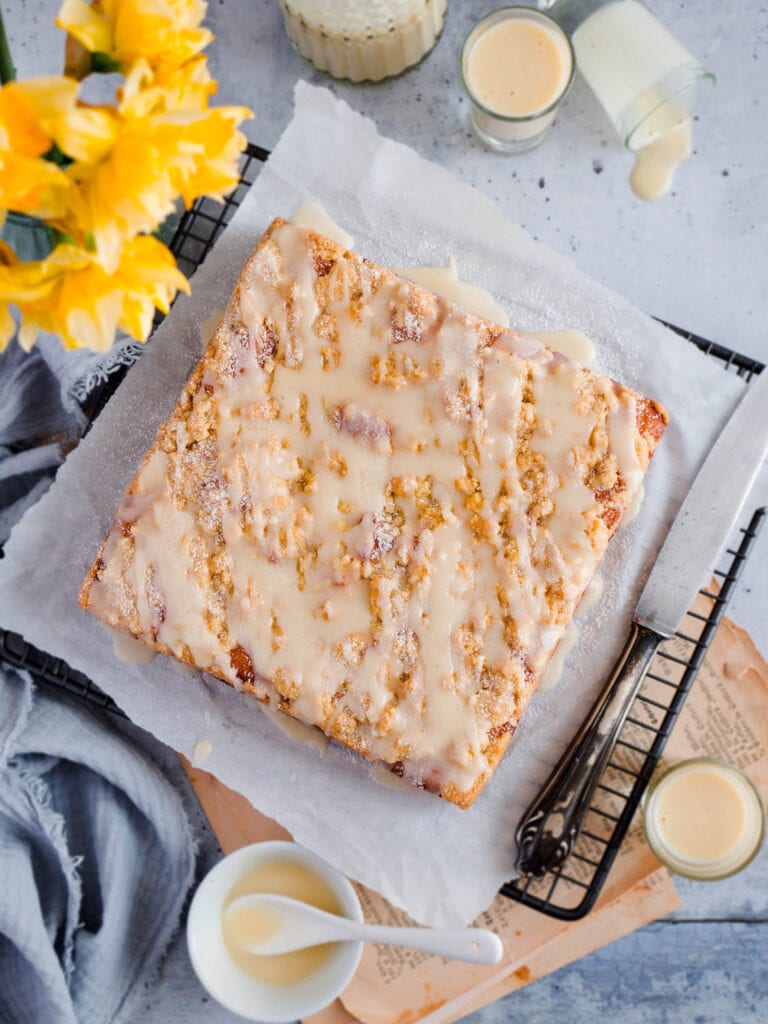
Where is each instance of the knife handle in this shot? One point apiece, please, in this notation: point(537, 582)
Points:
point(549, 827)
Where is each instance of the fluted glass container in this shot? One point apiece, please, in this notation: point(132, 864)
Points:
point(363, 40)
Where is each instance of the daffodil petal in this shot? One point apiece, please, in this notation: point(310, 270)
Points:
point(8, 257)
point(87, 134)
point(131, 191)
point(27, 336)
point(49, 96)
point(7, 325)
point(81, 21)
point(20, 130)
point(82, 132)
point(94, 326)
point(31, 185)
point(26, 282)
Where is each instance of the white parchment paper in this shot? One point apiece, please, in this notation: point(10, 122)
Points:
point(439, 863)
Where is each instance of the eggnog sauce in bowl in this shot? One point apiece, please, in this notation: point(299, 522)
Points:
point(269, 989)
point(247, 926)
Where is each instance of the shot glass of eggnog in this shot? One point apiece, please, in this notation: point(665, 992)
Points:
point(516, 67)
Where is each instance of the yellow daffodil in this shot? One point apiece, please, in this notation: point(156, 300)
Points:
point(209, 146)
point(28, 184)
point(19, 128)
point(70, 294)
point(165, 143)
point(165, 33)
point(104, 177)
point(127, 193)
point(202, 144)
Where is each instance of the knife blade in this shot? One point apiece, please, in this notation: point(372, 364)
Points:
point(703, 525)
point(708, 514)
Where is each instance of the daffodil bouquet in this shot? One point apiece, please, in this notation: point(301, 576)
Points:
point(103, 177)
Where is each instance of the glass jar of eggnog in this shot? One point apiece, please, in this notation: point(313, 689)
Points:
point(704, 819)
point(630, 61)
point(363, 40)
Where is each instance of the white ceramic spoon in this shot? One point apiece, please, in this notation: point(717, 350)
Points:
point(282, 925)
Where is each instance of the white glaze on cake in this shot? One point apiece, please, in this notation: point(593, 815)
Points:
point(374, 510)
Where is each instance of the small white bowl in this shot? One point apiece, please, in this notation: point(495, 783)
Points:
point(252, 999)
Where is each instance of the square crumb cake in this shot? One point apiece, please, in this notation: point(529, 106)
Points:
point(373, 510)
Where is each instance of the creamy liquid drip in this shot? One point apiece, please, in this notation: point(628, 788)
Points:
point(128, 649)
point(554, 670)
point(306, 735)
point(245, 928)
point(437, 429)
point(445, 281)
point(381, 774)
point(577, 346)
point(209, 325)
point(570, 343)
point(656, 162)
point(202, 751)
point(518, 67)
point(313, 215)
point(592, 595)
point(634, 506)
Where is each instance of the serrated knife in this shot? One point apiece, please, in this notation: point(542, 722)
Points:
point(703, 526)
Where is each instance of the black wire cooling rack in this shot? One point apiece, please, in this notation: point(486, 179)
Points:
point(571, 891)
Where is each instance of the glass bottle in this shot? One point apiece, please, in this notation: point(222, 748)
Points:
point(644, 79)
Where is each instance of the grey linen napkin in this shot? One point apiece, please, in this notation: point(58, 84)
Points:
point(96, 853)
point(40, 414)
point(96, 858)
